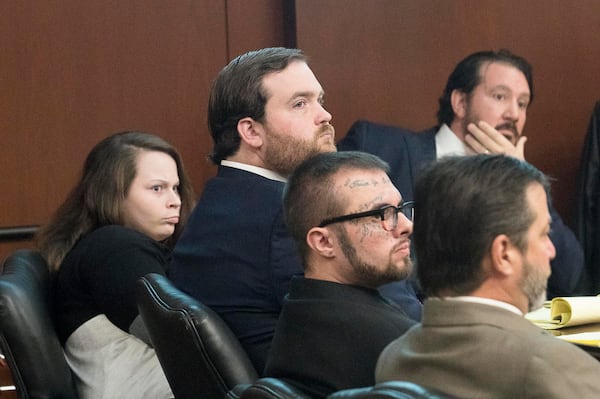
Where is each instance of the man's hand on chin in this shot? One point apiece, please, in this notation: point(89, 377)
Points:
point(484, 139)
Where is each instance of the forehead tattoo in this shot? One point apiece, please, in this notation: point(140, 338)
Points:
point(353, 183)
point(367, 229)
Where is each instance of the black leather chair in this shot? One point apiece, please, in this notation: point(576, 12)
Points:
point(275, 388)
point(271, 388)
point(390, 390)
point(27, 336)
point(199, 354)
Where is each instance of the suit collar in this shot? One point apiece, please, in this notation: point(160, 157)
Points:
point(440, 312)
point(302, 287)
point(447, 143)
point(269, 174)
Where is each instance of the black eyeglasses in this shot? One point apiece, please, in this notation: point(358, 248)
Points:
point(388, 215)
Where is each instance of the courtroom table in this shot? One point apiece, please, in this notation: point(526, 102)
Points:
point(590, 346)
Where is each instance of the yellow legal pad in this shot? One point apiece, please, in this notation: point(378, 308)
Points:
point(563, 312)
point(585, 338)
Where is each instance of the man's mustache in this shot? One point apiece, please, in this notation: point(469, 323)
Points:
point(509, 126)
point(327, 129)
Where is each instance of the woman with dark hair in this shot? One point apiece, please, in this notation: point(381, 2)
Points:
point(118, 224)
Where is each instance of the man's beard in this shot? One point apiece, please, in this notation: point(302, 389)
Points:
point(285, 153)
point(533, 284)
point(370, 275)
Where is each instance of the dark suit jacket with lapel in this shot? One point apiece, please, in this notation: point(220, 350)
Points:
point(236, 256)
point(330, 335)
point(407, 152)
point(474, 350)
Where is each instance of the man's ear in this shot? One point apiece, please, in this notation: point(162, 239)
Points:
point(320, 240)
point(504, 255)
point(458, 99)
point(251, 132)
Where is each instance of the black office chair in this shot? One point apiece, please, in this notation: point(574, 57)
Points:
point(27, 336)
point(275, 388)
point(271, 388)
point(199, 354)
point(390, 390)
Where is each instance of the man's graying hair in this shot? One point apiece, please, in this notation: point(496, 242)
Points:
point(462, 204)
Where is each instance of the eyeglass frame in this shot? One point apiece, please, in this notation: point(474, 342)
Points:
point(374, 212)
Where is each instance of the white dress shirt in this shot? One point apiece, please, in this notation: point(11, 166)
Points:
point(447, 143)
point(269, 174)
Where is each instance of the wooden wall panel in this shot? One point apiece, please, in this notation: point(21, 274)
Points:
point(73, 72)
point(388, 61)
point(78, 71)
point(253, 25)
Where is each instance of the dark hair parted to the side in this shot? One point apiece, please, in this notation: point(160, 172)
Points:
point(309, 195)
point(462, 204)
point(467, 75)
point(238, 93)
point(97, 199)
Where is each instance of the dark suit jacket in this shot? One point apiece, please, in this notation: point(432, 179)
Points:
point(407, 152)
point(587, 218)
point(474, 350)
point(236, 256)
point(330, 335)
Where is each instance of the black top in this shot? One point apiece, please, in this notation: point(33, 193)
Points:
point(329, 335)
point(98, 276)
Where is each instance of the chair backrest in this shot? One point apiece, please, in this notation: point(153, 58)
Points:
point(27, 336)
point(390, 390)
point(199, 354)
point(272, 388)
